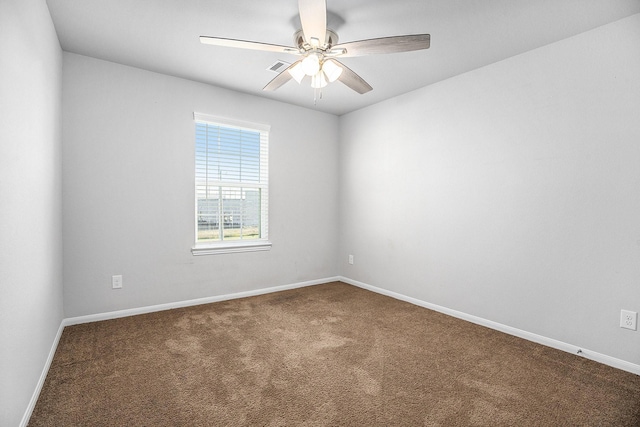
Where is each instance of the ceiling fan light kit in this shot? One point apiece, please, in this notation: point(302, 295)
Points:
point(318, 58)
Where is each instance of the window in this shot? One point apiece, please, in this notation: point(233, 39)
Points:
point(231, 179)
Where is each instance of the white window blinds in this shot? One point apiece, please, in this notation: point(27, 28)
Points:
point(231, 171)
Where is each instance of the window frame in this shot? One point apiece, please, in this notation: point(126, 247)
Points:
point(244, 245)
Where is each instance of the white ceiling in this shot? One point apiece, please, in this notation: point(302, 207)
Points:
point(162, 36)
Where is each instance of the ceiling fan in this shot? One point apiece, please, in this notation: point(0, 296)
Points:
point(318, 48)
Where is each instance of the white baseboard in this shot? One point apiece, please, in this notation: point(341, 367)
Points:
point(549, 342)
point(188, 303)
point(43, 377)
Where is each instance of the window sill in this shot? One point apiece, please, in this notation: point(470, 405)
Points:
point(229, 248)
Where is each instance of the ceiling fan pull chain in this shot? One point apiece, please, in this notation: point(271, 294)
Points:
point(317, 95)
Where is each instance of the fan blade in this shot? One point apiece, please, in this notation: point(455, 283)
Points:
point(352, 80)
point(313, 17)
point(385, 45)
point(242, 44)
point(280, 79)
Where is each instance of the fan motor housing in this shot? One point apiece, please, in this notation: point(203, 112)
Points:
point(331, 39)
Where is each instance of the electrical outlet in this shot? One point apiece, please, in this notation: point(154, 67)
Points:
point(351, 259)
point(629, 319)
point(116, 282)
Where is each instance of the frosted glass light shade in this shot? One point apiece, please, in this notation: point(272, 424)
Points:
point(332, 70)
point(318, 81)
point(296, 72)
point(311, 64)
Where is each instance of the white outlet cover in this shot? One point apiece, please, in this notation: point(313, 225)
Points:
point(116, 282)
point(629, 319)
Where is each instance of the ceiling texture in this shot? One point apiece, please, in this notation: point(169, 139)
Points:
point(163, 36)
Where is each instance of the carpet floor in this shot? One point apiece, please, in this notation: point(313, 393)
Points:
point(323, 355)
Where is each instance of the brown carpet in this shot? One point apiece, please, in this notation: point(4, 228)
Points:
point(323, 355)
